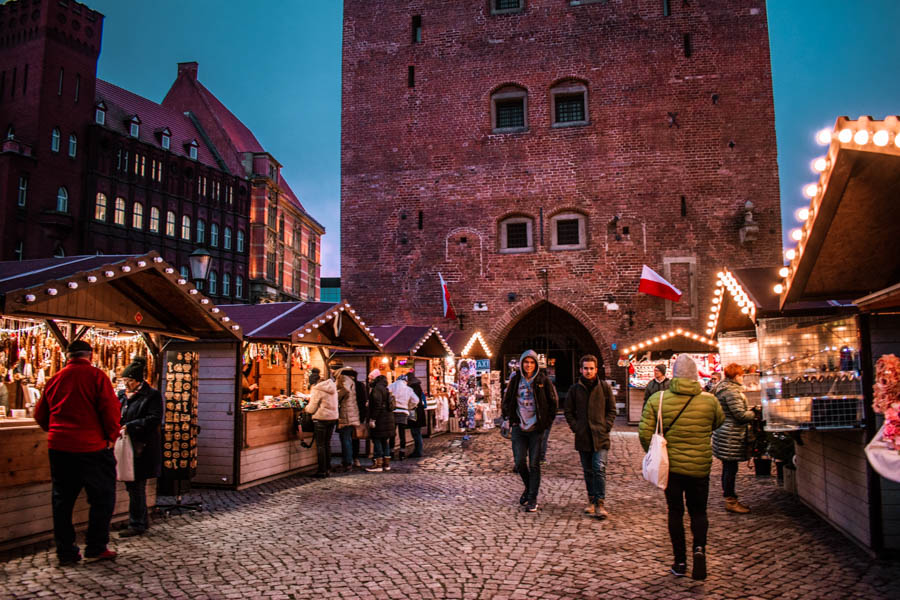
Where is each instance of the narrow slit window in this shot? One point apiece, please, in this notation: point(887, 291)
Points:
point(417, 29)
point(688, 49)
point(60, 86)
point(683, 206)
point(411, 77)
point(421, 217)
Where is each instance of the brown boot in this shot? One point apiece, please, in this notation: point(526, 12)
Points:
point(376, 466)
point(591, 508)
point(386, 463)
point(600, 512)
point(732, 505)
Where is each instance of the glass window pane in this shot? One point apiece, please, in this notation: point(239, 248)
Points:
point(570, 108)
point(567, 232)
point(510, 113)
point(517, 235)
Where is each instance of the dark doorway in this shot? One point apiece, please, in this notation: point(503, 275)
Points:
point(556, 334)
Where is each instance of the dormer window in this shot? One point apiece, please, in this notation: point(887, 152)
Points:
point(100, 113)
point(134, 126)
point(192, 149)
point(165, 138)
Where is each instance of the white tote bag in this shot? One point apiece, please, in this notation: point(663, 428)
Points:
point(656, 462)
point(124, 457)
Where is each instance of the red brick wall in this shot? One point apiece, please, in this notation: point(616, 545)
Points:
point(430, 148)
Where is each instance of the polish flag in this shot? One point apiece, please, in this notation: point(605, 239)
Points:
point(445, 298)
point(652, 283)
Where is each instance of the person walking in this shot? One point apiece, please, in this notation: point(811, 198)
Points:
point(659, 382)
point(689, 416)
point(530, 405)
point(323, 406)
point(80, 411)
point(381, 424)
point(591, 412)
point(405, 402)
point(142, 412)
point(417, 418)
point(348, 414)
point(729, 442)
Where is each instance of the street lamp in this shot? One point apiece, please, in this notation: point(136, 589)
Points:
point(200, 261)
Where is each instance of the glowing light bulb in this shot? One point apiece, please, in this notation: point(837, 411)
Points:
point(845, 136)
point(820, 164)
point(811, 190)
point(784, 272)
point(880, 138)
point(778, 288)
point(861, 138)
point(745, 310)
point(823, 137)
point(709, 331)
point(790, 254)
point(802, 214)
point(797, 235)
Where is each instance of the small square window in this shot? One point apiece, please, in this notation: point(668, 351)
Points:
point(166, 142)
point(506, 6)
point(570, 108)
point(134, 130)
point(510, 113)
point(100, 116)
point(517, 235)
point(567, 232)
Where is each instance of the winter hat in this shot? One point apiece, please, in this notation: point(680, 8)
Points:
point(685, 367)
point(374, 374)
point(661, 367)
point(314, 376)
point(136, 370)
point(78, 346)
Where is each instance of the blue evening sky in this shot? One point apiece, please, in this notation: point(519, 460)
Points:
point(276, 64)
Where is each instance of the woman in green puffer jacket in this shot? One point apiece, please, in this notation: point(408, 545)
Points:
point(690, 457)
point(729, 442)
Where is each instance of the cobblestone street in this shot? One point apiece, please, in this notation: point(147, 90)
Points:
point(449, 526)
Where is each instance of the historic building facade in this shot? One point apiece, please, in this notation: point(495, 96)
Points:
point(88, 167)
point(537, 153)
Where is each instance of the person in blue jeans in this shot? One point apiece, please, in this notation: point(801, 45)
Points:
point(530, 406)
point(590, 412)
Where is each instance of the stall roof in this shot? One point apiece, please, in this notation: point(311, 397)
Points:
point(131, 292)
point(468, 345)
point(412, 340)
point(676, 339)
point(850, 244)
point(304, 323)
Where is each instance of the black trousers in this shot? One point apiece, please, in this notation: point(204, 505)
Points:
point(729, 474)
point(70, 472)
point(322, 432)
point(694, 490)
point(137, 504)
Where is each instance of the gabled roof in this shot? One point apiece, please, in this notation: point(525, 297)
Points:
point(408, 340)
point(467, 345)
point(122, 105)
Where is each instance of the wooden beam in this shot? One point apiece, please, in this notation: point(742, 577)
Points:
point(152, 344)
point(57, 333)
point(80, 333)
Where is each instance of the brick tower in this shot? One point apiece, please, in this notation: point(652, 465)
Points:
point(537, 153)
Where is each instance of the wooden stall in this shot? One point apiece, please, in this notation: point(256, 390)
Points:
point(849, 248)
point(255, 438)
point(128, 298)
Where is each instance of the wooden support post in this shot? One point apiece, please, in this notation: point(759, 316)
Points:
point(288, 364)
point(80, 333)
point(152, 344)
point(57, 333)
point(325, 358)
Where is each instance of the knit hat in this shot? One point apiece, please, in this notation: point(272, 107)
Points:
point(661, 367)
point(314, 376)
point(685, 367)
point(78, 346)
point(136, 370)
point(374, 373)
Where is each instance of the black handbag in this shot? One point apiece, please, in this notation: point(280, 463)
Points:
point(305, 422)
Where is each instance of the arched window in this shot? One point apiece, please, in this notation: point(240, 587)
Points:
point(137, 216)
point(568, 231)
point(212, 282)
point(509, 109)
point(62, 199)
point(240, 241)
point(201, 231)
point(73, 145)
point(185, 227)
point(170, 223)
point(119, 216)
point(238, 287)
point(569, 100)
point(516, 234)
point(213, 235)
point(226, 284)
point(227, 238)
point(154, 219)
point(100, 207)
point(54, 140)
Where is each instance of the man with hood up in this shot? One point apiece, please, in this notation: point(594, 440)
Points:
point(530, 405)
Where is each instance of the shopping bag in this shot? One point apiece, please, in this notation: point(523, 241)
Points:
point(360, 432)
point(656, 462)
point(124, 453)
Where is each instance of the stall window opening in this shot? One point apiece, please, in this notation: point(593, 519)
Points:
point(100, 207)
point(119, 216)
point(137, 216)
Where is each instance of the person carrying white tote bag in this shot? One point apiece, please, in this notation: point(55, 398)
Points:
point(124, 453)
point(656, 462)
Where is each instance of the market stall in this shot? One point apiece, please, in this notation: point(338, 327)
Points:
point(122, 305)
point(849, 248)
point(475, 390)
point(264, 383)
point(643, 356)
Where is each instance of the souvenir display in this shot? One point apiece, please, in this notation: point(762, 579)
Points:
point(181, 421)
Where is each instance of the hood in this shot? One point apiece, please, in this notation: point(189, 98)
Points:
point(380, 380)
point(727, 384)
point(685, 387)
point(398, 384)
point(412, 380)
point(532, 354)
point(326, 385)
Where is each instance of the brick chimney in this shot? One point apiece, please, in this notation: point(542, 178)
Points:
point(188, 69)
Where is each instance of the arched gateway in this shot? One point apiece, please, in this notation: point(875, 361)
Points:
point(552, 331)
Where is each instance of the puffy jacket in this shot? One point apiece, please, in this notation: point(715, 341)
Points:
point(729, 442)
point(655, 386)
point(142, 418)
point(545, 400)
point(379, 409)
point(348, 410)
point(323, 405)
point(688, 441)
point(406, 399)
point(590, 414)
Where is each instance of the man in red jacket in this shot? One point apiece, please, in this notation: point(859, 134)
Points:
point(81, 413)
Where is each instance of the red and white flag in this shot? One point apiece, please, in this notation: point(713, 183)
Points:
point(445, 298)
point(652, 283)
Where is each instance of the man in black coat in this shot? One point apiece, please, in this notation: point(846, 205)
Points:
point(590, 412)
point(142, 410)
point(530, 406)
point(659, 382)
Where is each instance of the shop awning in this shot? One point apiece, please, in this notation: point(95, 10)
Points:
point(468, 345)
point(676, 339)
point(334, 325)
point(409, 340)
point(850, 244)
point(126, 292)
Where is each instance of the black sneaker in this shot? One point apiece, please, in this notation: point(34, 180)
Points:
point(699, 570)
point(69, 560)
point(531, 507)
point(678, 569)
point(523, 499)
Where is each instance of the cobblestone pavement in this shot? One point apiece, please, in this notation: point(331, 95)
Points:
point(449, 526)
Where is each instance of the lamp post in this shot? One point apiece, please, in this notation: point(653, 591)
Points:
point(200, 261)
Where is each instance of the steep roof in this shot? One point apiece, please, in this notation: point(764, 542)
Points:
point(239, 134)
point(122, 105)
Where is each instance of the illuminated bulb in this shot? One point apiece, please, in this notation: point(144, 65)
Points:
point(192, 292)
point(823, 137)
point(299, 335)
point(703, 339)
point(811, 190)
point(170, 270)
point(861, 138)
point(72, 285)
point(716, 300)
point(820, 164)
point(108, 273)
point(92, 278)
point(679, 330)
point(182, 281)
point(235, 327)
point(126, 269)
point(720, 283)
point(711, 323)
point(142, 263)
point(633, 348)
point(718, 292)
point(783, 272)
point(897, 140)
point(204, 300)
point(52, 291)
point(694, 336)
point(790, 254)
point(214, 309)
point(796, 235)
point(641, 345)
point(709, 331)
point(715, 308)
point(778, 288)
point(880, 138)
point(30, 298)
point(802, 214)
point(845, 136)
point(226, 319)
point(656, 339)
point(157, 259)
point(720, 274)
point(745, 310)
point(671, 333)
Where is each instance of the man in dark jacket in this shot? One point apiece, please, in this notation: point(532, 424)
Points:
point(658, 383)
point(530, 406)
point(142, 419)
point(362, 402)
point(590, 412)
point(417, 420)
point(80, 411)
point(381, 424)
